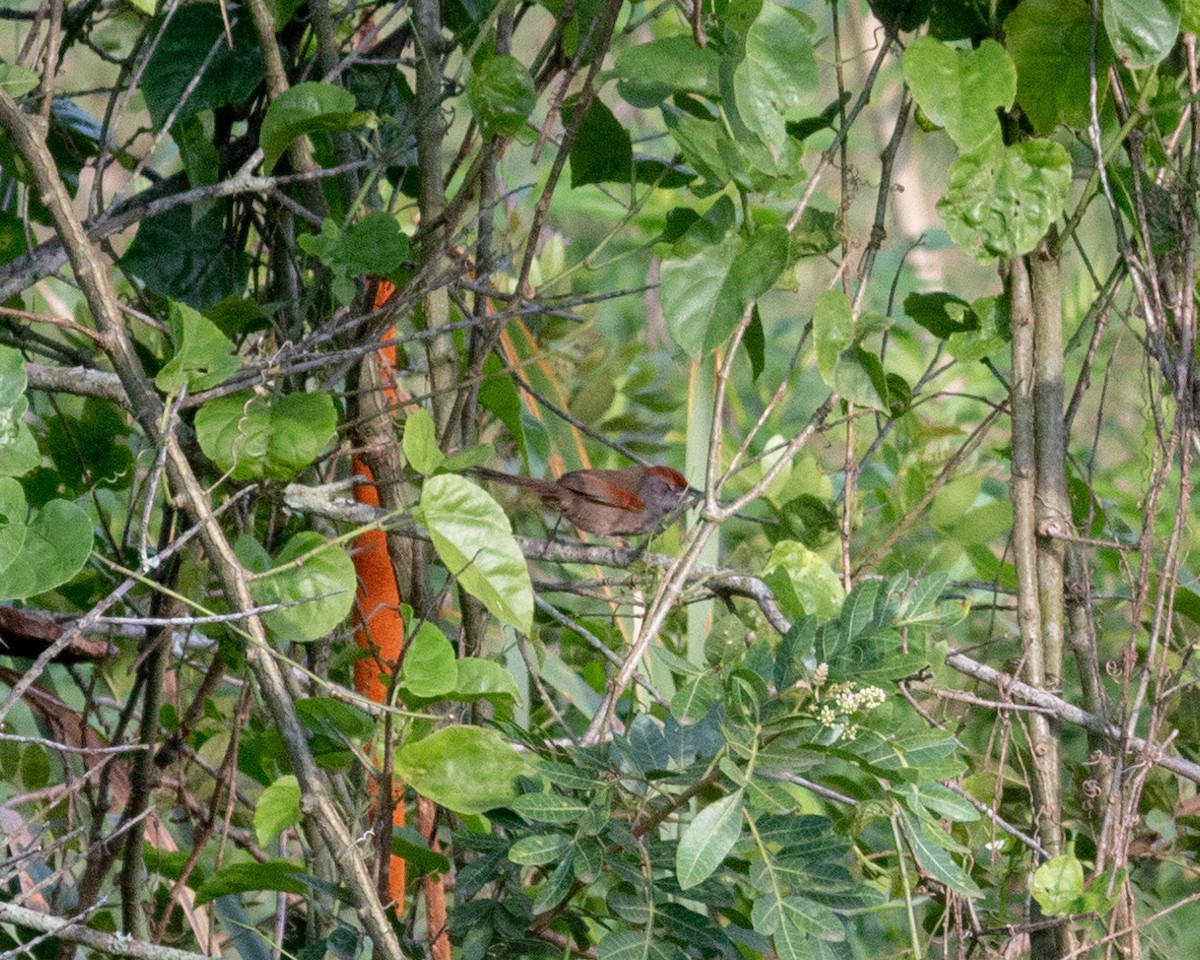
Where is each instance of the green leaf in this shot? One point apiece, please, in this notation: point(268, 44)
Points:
point(773, 911)
point(409, 844)
point(540, 849)
point(1142, 32)
point(1050, 42)
point(17, 80)
point(637, 945)
point(804, 581)
point(420, 442)
point(549, 807)
point(1001, 201)
point(707, 839)
point(303, 109)
point(934, 860)
point(204, 356)
point(429, 670)
point(18, 449)
point(51, 547)
point(278, 875)
point(603, 150)
point(961, 89)
point(842, 365)
point(705, 295)
point(320, 590)
point(194, 31)
point(649, 73)
point(473, 538)
point(278, 808)
point(12, 521)
point(501, 95)
point(694, 697)
point(1057, 885)
point(249, 436)
point(333, 718)
point(184, 254)
point(465, 769)
point(777, 75)
point(480, 679)
point(557, 885)
point(374, 245)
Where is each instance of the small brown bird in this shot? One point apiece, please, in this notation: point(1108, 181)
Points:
point(608, 503)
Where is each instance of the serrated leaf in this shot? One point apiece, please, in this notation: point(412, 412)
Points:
point(708, 839)
point(473, 538)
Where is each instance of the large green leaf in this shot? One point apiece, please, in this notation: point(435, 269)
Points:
point(961, 89)
point(650, 73)
point(707, 839)
point(51, 547)
point(473, 538)
point(250, 436)
point(933, 858)
point(1050, 42)
point(480, 679)
point(18, 449)
point(185, 254)
point(303, 109)
point(204, 356)
point(1142, 32)
point(465, 769)
point(777, 75)
point(603, 150)
point(319, 591)
point(773, 911)
point(195, 30)
point(849, 371)
point(705, 295)
point(1001, 200)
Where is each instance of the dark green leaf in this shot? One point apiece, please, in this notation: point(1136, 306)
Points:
point(603, 151)
point(193, 32)
point(649, 73)
point(409, 844)
point(245, 877)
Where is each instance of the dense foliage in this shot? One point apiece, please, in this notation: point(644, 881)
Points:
point(907, 289)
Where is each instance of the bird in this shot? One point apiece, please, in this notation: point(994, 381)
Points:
point(608, 503)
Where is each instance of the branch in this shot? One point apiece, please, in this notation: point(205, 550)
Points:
point(115, 945)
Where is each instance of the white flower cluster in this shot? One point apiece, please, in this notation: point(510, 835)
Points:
point(844, 701)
